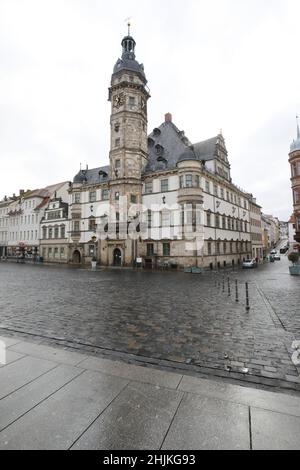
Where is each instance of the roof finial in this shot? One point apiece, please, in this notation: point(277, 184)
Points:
point(128, 24)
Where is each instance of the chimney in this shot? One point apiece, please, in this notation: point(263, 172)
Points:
point(21, 192)
point(168, 117)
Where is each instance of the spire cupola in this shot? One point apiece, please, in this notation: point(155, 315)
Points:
point(296, 143)
point(128, 61)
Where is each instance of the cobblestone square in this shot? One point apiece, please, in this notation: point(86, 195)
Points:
point(171, 319)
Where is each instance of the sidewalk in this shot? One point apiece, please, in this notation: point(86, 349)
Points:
point(58, 399)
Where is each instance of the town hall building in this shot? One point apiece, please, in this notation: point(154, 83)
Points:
point(162, 200)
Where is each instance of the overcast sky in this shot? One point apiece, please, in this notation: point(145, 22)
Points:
point(219, 64)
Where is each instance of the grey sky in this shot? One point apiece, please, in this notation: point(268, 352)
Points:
point(223, 64)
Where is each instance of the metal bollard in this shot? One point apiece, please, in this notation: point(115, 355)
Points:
point(247, 297)
point(236, 291)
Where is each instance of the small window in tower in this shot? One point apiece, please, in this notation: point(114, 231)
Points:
point(118, 163)
point(131, 101)
point(117, 142)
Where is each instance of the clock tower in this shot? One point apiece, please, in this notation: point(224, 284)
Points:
point(128, 156)
point(128, 95)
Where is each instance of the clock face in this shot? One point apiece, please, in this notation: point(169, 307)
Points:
point(119, 100)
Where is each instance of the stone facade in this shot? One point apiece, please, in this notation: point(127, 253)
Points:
point(175, 200)
point(257, 229)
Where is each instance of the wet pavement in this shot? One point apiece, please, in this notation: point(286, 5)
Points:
point(174, 320)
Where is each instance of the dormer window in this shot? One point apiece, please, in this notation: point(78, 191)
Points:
point(159, 150)
point(157, 132)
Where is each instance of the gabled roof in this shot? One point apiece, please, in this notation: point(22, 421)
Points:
point(166, 144)
point(206, 150)
point(48, 191)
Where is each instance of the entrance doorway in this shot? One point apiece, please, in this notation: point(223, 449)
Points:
point(117, 257)
point(76, 257)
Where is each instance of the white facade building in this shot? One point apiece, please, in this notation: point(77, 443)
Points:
point(24, 218)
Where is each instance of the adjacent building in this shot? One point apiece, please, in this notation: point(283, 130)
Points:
point(54, 233)
point(294, 160)
point(24, 219)
point(257, 230)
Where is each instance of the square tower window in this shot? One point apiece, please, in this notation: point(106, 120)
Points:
point(131, 101)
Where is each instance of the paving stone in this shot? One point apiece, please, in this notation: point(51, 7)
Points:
point(274, 431)
point(61, 419)
point(9, 341)
point(132, 372)
point(203, 423)
point(283, 403)
point(24, 399)
point(21, 372)
point(192, 320)
point(137, 420)
point(11, 356)
point(46, 352)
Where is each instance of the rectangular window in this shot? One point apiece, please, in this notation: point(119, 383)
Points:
point(133, 198)
point(207, 187)
point(224, 222)
point(164, 186)
point(149, 187)
point(224, 248)
point(50, 232)
point(150, 249)
point(93, 196)
point(218, 248)
point(208, 218)
point(189, 181)
point(76, 198)
point(217, 221)
point(166, 249)
point(117, 142)
point(149, 218)
point(105, 194)
point(92, 225)
point(118, 163)
point(62, 232)
point(209, 248)
point(165, 219)
point(222, 193)
point(56, 232)
point(216, 190)
point(76, 226)
point(131, 101)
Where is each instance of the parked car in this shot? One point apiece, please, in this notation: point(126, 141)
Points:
point(273, 252)
point(249, 264)
point(277, 257)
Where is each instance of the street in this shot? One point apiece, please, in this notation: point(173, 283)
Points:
point(170, 319)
